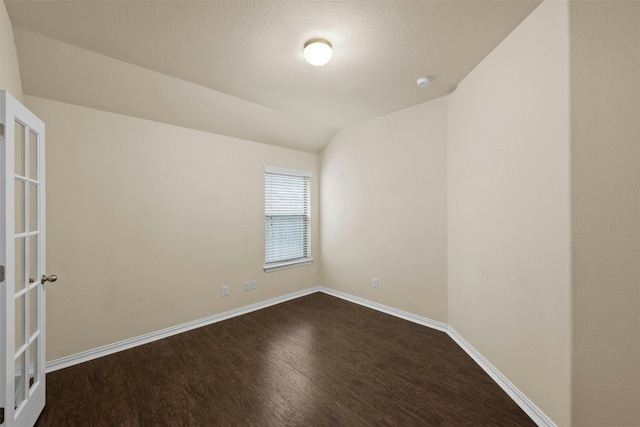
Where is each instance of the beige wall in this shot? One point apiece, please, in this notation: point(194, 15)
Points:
point(147, 221)
point(9, 69)
point(605, 193)
point(508, 209)
point(383, 210)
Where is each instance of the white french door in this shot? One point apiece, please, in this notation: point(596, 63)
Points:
point(22, 264)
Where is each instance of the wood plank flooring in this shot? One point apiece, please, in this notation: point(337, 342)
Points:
point(312, 361)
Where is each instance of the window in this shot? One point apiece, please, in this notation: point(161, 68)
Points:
point(287, 223)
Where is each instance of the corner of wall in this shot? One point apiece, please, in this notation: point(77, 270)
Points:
point(508, 209)
point(374, 173)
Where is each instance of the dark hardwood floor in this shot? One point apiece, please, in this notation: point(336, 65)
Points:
point(313, 361)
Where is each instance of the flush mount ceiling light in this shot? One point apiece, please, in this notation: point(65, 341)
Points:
point(317, 52)
point(423, 81)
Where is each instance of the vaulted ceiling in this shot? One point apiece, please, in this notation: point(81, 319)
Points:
point(236, 67)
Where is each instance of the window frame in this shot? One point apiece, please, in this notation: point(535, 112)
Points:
point(280, 265)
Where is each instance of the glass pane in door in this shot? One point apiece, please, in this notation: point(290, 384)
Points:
point(20, 188)
point(33, 155)
point(33, 259)
point(33, 207)
point(19, 148)
point(33, 363)
point(20, 320)
point(20, 267)
point(19, 379)
point(33, 311)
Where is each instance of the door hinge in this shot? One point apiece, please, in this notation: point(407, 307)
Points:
point(1, 415)
point(1, 130)
point(1, 273)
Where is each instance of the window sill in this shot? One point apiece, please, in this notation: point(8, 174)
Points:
point(284, 265)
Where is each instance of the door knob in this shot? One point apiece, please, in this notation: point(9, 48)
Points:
point(51, 278)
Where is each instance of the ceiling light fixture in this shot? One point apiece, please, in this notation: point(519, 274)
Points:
point(317, 52)
point(424, 81)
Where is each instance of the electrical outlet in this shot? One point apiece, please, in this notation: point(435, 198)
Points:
point(253, 284)
point(374, 283)
point(247, 286)
point(225, 291)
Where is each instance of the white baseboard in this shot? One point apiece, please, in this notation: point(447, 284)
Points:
point(106, 350)
point(530, 408)
point(539, 417)
point(425, 321)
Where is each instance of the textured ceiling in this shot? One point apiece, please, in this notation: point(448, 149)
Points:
point(252, 50)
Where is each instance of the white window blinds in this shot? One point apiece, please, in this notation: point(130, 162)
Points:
point(287, 223)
